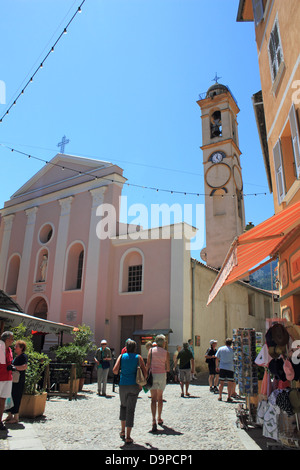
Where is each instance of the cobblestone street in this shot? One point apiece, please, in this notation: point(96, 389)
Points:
point(198, 422)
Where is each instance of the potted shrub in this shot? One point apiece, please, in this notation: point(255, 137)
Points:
point(34, 399)
point(77, 351)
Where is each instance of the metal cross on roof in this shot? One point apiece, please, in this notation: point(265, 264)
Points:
point(216, 78)
point(62, 144)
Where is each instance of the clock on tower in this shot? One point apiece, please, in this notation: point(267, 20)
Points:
point(224, 203)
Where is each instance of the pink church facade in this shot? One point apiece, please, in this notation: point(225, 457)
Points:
point(56, 266)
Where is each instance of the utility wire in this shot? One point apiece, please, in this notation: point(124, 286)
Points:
point(89, 174)
point(42, 63)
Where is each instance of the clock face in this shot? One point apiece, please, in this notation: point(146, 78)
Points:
point(217, 157)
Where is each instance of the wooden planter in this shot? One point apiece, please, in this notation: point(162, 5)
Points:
point(33, 405)
point(65, 388)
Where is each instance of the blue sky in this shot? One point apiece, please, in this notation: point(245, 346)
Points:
point(122, 85)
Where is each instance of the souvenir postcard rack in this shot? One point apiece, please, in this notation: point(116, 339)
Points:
point(245, 343)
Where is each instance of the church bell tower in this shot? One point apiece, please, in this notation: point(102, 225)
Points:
point(223, 183)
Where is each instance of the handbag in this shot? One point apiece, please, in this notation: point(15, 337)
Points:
point(149, 379)
point(140, 379)
point(150, 376)
point(118, 375)
point(15, 376)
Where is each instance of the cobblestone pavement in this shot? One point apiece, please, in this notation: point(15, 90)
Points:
point(91, 422)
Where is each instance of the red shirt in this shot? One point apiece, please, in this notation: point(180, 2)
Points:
point(6, 375)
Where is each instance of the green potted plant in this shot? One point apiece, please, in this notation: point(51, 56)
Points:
point(33, 400)
point(77, 351)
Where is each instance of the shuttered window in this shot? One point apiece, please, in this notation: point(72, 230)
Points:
point(295, 138)
point(258, 10)
point(279, 174)
point(275, 50)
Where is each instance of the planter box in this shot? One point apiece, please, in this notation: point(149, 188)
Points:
point(65, 388)
point(33, 405)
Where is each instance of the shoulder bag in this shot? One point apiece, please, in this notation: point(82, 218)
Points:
point(150, 376)
point(140, 379)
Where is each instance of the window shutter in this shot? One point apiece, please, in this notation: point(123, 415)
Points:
point(258, 10)
point(295, 138)
point(279, 172)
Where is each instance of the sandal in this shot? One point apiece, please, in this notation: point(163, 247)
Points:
point(154, 427)
point(122, 435)
point(128, 440)
point(160, 422)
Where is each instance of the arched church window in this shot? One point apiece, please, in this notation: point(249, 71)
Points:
point(13, 275)
point(74, 267)
point(216, 124)
point(132, 271)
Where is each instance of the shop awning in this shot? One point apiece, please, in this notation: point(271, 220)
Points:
point(250, 251)
point(152, 332)
point(13, 318)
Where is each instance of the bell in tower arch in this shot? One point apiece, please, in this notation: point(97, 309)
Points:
point(216, 124)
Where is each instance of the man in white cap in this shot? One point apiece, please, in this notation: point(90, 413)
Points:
point(102, 358)
point(210, 357)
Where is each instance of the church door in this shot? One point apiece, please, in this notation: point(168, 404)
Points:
point(128, 326)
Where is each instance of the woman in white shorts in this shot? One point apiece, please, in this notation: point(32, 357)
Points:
point(6, 359)
point(158, 362)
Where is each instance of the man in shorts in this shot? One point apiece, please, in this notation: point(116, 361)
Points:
point(186, 368)
point(224, 365)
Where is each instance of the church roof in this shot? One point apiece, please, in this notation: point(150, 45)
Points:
point(63, 172)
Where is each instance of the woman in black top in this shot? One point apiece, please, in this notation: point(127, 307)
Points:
point(20, 366)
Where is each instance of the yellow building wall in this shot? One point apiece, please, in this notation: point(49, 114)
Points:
point(228, 311)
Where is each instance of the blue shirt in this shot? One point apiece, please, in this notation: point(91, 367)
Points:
point(225, 356)
point(128, 366)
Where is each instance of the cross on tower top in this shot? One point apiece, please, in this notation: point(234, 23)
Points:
point(216, 78)
point(62, 144)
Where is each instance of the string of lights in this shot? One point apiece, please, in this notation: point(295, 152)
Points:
point(42, 62)
point(89, 174)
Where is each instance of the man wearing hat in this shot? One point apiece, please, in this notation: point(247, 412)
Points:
point(210, 357)
point(102, 358)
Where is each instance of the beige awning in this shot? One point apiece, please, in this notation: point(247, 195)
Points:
point(13, 319)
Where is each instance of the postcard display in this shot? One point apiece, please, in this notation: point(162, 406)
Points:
point(246, 340)
point(245, 370)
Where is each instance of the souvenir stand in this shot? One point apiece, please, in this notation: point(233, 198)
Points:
point(245, 371)
point(278, 410)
